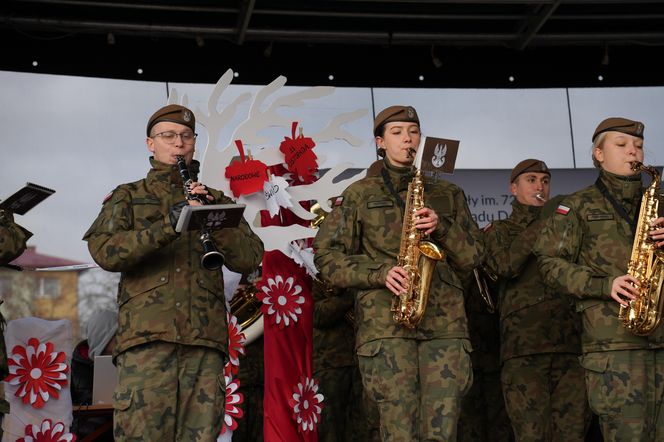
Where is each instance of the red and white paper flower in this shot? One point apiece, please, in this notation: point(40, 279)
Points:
point(236, 341)
point(233, 399)
point(307, 404)
point(281, 300)
point(38, 370)
point(47, 432)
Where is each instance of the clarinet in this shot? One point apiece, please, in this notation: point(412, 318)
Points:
point(211, 259)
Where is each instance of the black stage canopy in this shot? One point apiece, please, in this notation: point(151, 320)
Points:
point(388, 43)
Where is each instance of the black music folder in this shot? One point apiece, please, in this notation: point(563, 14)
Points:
point(26, 198)
point(210, 217)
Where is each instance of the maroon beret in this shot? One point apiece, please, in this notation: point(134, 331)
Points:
point(623, 125)
point(395, 113)
point(529, 165)
point(174, 113)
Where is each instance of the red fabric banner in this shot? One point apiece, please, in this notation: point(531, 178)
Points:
point(291, 401)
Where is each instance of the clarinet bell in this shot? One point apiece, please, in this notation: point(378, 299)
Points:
point(211, 259)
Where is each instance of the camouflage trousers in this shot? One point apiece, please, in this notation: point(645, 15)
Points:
point(417, 385)
point(626, 390)
point(545, 398)
point(346, 416)
point(169, 392)
point(483, 417)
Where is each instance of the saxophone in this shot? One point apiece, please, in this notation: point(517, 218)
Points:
point(418, 257)
point(646, 264)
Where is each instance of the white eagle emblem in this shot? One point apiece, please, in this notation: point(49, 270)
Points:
point(438, 158)
point(186, 116)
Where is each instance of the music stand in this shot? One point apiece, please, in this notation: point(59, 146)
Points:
point(209, 217)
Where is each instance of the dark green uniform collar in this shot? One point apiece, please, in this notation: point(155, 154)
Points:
point(524, 212)
point(400, 176)
point(626, 189)
point(168, 173)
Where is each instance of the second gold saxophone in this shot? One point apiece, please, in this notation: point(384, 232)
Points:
point(418, 257)
point(646, 264)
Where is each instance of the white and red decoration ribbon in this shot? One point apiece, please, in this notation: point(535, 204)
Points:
point(47, 432)
point(307, 404)
point(285, 291)
point(38, 370)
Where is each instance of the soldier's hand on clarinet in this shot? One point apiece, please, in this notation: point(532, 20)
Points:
point(397, 280)
point(197, 188)
point(624, 289)
point(427, 220)
point(657, 234)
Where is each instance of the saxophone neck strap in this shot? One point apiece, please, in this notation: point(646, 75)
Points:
point(390, 187)
point(618, 207)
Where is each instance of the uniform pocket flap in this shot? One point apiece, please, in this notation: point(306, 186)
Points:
point(594, 362)
point(135, 285)
point(369, 349)
point(122, 398)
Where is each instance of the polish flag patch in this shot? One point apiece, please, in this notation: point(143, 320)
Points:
point(563, 210)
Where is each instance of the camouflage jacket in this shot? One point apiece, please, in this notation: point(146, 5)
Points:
point(164, 293)
point(359, 242)
point(13, 238)
point(334, 334)
point(534, 318)
point(583, 247)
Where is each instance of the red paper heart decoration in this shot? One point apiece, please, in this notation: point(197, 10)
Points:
point(300, 158)
point(247, 175)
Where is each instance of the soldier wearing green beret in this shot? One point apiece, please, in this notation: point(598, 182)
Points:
point(541, 377)
point(172, 335)
point(13, 239)
point(584, 251)
point(417, 376)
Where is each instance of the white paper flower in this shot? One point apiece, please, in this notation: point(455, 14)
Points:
point(307, 404)
point(281, 300)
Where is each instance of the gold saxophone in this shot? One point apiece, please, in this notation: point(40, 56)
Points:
point(418, 257)
point(646, 264)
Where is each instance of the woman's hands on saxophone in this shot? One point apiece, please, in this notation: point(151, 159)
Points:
point(397, 280)
point(657, 234)
point(624, 289)
point(427, 220)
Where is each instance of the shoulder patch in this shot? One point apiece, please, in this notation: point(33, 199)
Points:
point(562, 209)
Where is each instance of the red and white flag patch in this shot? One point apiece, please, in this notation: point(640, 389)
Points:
point(563, 210)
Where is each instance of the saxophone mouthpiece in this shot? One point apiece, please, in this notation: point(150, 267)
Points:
point(540, 197)
point(411, 153)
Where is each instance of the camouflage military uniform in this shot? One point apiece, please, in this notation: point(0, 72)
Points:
point(483, 417)
point(335, 366)
point(540, 333)
point(172, 332)
point(13, 239)
point(584, 246)
point(417, 376)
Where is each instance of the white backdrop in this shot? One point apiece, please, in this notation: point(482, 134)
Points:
point(83, 136)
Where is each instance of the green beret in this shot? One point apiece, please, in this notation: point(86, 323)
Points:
point(175, 114)
point(395, 113)
point(623, 125)
point(529, 165)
